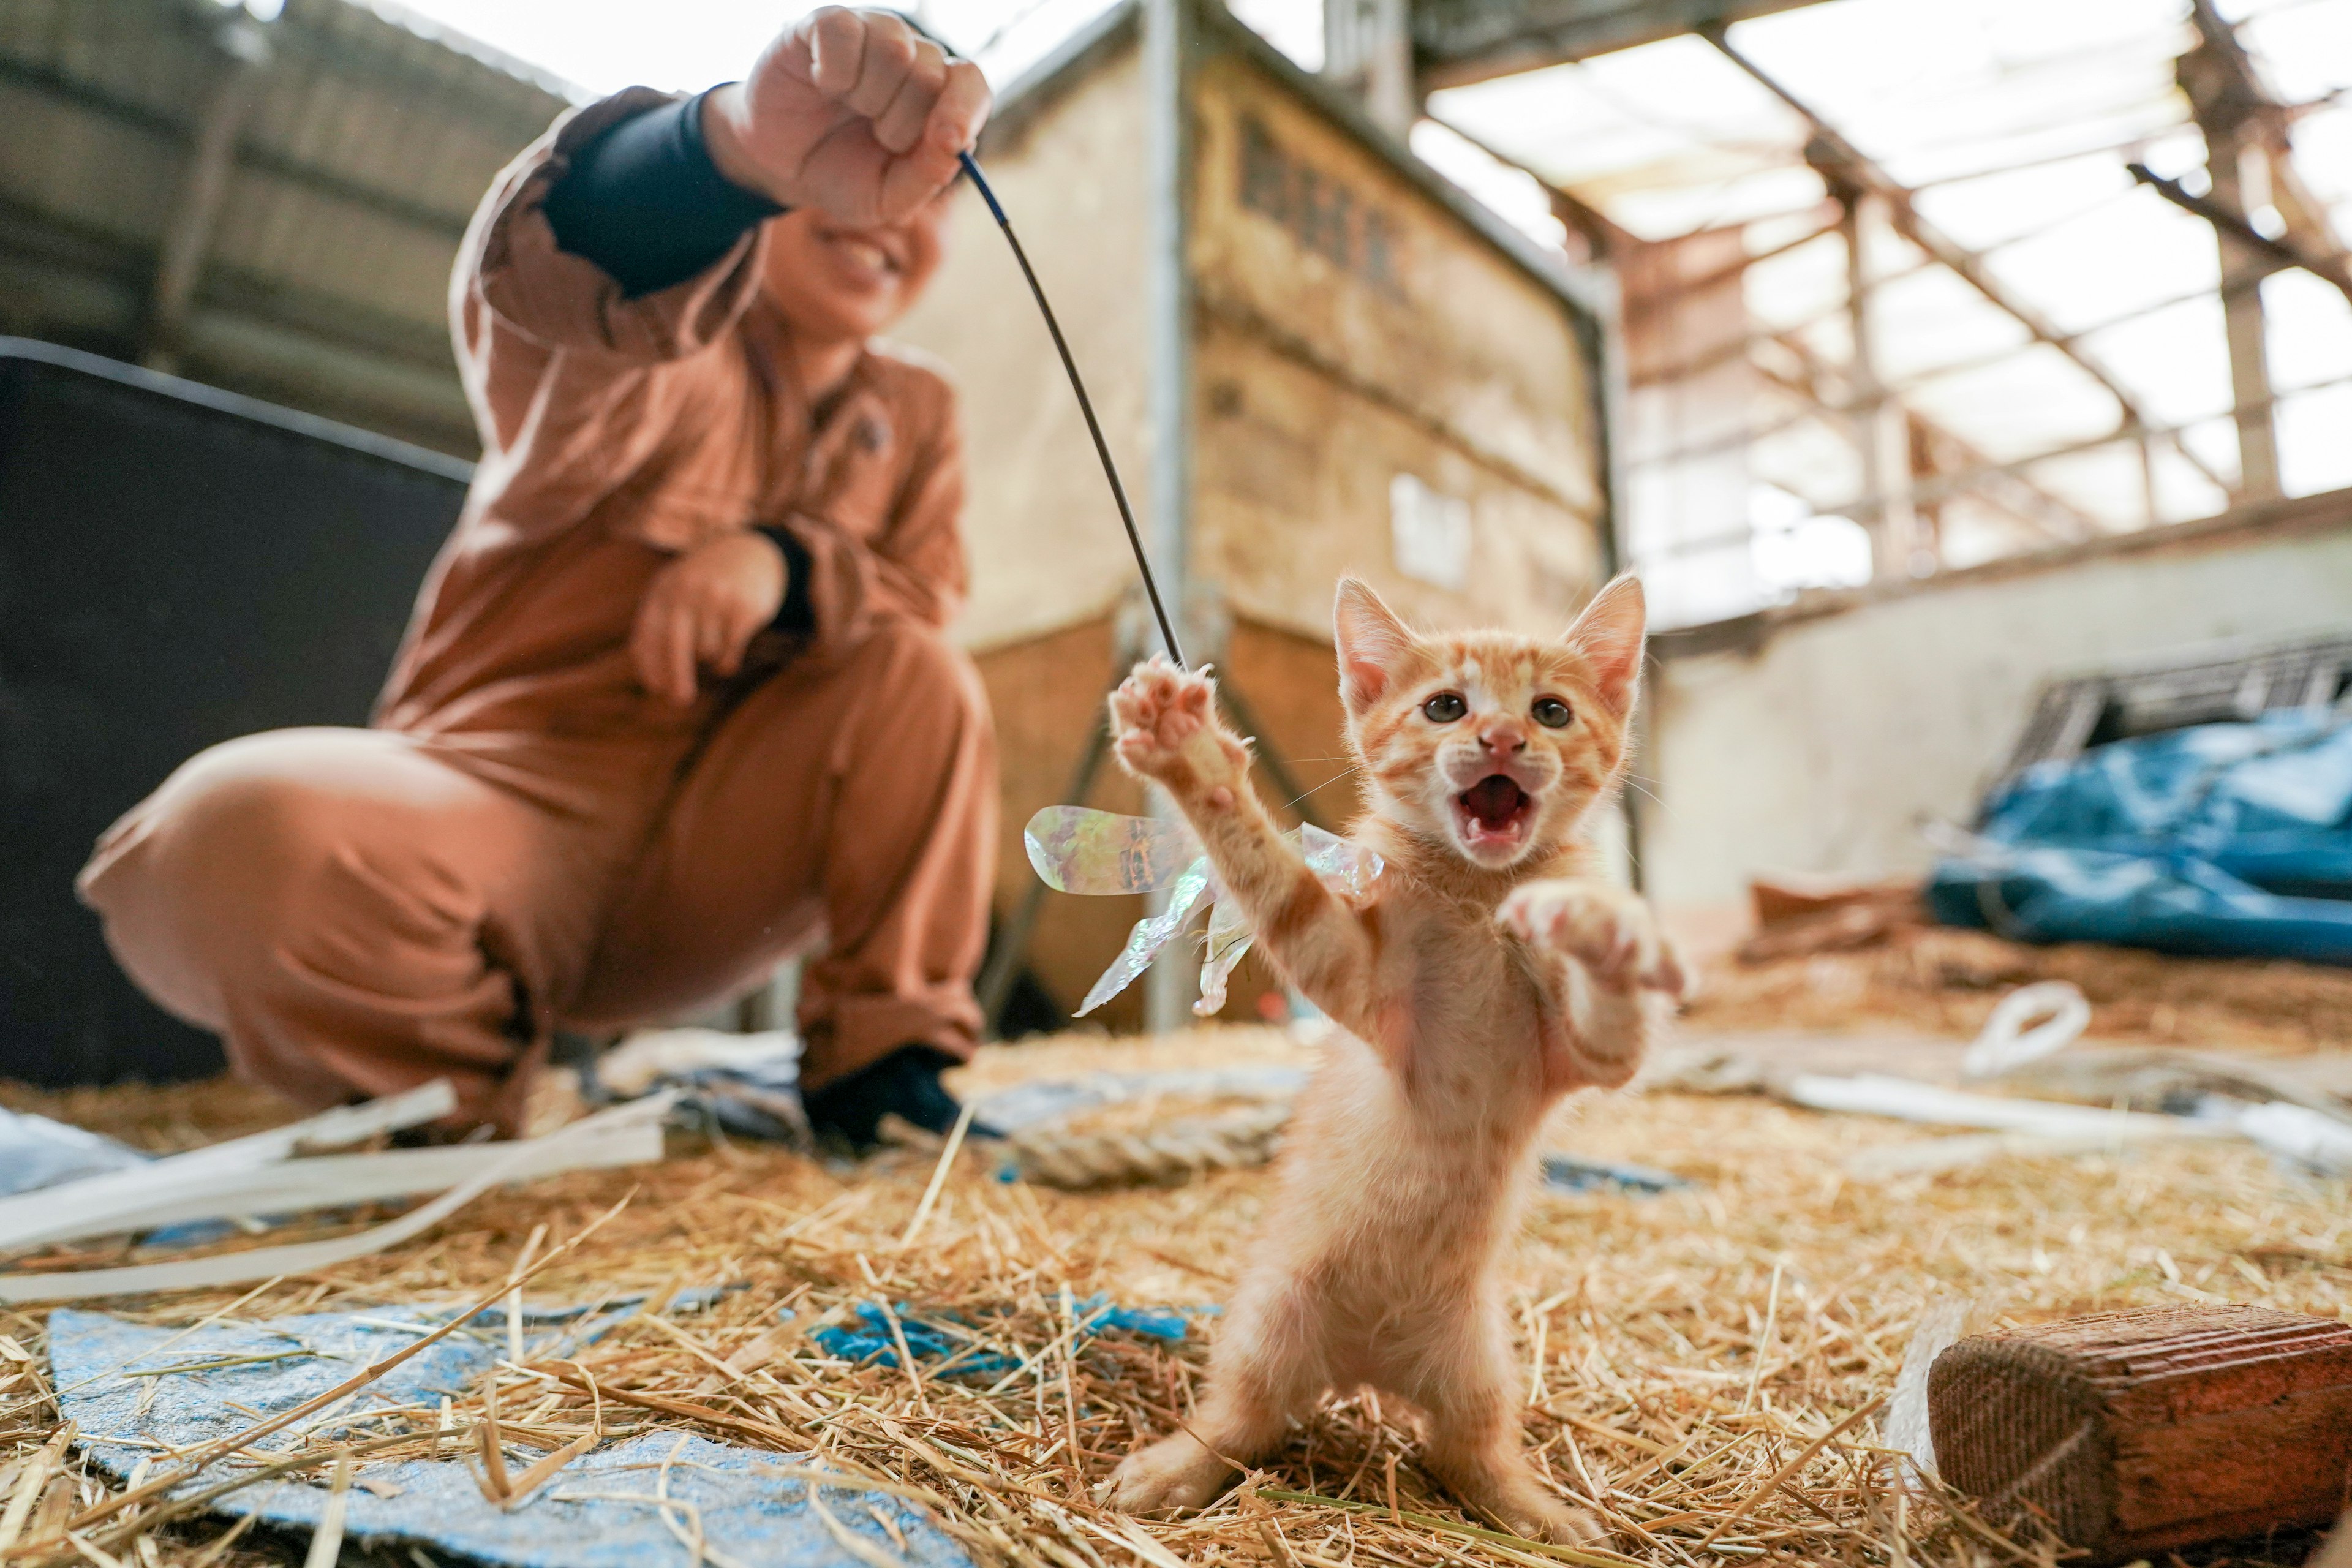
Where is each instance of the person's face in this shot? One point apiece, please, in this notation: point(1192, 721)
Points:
point(835, 281)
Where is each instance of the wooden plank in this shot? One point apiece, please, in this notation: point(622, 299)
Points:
point(2134, 1432)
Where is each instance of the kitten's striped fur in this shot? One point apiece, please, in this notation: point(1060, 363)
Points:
point(1490, 972)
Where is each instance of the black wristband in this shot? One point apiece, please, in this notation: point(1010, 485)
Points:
point(645, 201)
point(797, 615)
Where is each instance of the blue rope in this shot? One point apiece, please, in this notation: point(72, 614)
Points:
point(1086, 407)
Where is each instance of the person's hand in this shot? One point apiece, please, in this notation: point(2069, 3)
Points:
point(850, 113)
point(703, 609)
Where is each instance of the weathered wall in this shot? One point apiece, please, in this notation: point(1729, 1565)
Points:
point(1047, 547)
point(1351, 329)
point(1825, 748)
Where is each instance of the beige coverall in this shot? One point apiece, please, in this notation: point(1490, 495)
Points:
point(526, 836)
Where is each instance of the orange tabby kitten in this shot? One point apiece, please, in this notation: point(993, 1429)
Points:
point(1490, 970)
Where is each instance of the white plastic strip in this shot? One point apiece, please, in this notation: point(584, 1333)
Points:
point(1906, 1099)
point(1977, 1148)
point(326, 1180)
point(52, 1212)
point(236, 1268)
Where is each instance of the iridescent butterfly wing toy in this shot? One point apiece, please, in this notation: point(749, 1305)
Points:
point(1079, 850)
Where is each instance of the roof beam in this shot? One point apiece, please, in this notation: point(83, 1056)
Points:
point(1460, 41)
point(243, 48)
point(1831, 149)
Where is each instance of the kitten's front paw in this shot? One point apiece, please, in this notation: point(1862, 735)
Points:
point(1164, 721)
point(1557, 1523)
point(1176, 1472)
point(1608, 930)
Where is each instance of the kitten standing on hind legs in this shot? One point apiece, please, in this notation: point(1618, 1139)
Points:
point(1490, 970)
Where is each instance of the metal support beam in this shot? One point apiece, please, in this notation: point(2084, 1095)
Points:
point(2222, 100)
point(1463, 41)
point(1169, 31)
point(1879, 432)
point(1968, 266)
point(243, 47)
point(2012, 492)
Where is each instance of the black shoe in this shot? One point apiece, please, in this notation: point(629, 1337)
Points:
point(906, 1083)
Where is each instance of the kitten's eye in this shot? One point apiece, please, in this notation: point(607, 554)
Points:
point(1445, 708)
point(1552, 713)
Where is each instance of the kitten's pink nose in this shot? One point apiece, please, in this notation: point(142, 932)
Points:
point(1504, 739)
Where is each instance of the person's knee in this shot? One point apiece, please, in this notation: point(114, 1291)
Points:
point(928, 678)
point(212, 861)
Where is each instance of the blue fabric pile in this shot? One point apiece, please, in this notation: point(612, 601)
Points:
point(955, 1344)
point(2224, 841)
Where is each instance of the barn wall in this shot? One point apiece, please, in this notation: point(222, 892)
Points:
point(1825, 748)
point(1046, 547)
point(1352, 330)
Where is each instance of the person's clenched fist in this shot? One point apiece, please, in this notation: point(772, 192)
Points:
point(852, 112)
point(702, 610)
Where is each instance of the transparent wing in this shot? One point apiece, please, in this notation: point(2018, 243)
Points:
point(1345, 867)
point(1150, 935)
point(1077, 849)
point(1229, 938)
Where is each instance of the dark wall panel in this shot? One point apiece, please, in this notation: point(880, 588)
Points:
point(177, 567)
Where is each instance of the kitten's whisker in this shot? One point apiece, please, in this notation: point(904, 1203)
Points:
point(1327, 784)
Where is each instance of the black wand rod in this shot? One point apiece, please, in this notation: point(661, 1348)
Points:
point(1086, 407)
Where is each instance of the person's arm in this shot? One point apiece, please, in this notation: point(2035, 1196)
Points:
point(644, 202)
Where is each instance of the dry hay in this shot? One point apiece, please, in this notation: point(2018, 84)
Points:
point(1946, 980)
point(1705, 1366)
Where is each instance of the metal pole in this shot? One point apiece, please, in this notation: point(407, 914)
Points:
point(2242, 272)
point(1879, 430)
point(1171, 985)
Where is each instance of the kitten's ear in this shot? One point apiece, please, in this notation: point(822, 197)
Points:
point(1608, 634)
point(1373, 644)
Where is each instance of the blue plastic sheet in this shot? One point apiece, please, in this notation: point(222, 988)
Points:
point(2225, 840)
point(597, 1512)
point(954, 1342)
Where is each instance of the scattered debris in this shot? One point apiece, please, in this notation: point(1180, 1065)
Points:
point(2058, 1013)
point(255, 1175)
point(961, 1344)
point(748, 1085)
point(1945, 980)
point(1797, 916)
point(1567, 1173)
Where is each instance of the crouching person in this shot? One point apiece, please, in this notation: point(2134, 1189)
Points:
point(678, 700)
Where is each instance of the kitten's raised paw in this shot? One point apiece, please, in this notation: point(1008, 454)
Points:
point(1608, 930)
point(1164, 721)
point(1176, 1472)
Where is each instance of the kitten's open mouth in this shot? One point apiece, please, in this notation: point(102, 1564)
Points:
point(1494, 811)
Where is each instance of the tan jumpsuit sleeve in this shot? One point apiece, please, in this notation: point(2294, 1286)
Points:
point(577, 391)
point(915, 568)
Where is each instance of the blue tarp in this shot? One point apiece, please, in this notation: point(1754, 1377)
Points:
point(2224, 841)
point(597, 1512)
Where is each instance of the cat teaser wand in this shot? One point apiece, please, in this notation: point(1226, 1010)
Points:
point(1086, 407)
point(1076, 850)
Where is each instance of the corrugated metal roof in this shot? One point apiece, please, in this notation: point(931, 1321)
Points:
point(359, 161)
